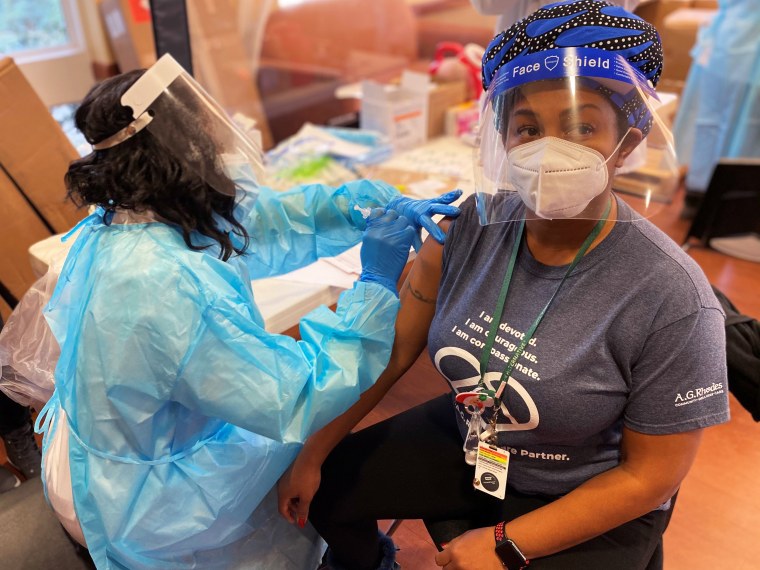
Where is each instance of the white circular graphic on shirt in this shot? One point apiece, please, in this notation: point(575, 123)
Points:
point(491, 380)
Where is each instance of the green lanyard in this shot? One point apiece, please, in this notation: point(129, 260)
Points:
point(499, 310)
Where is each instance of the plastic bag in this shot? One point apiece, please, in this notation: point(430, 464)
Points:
point(28, 350)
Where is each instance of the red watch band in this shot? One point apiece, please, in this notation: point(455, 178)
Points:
point(499, 533)
point(511, 556)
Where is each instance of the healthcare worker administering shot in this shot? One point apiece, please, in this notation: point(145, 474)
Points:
point(182, 411)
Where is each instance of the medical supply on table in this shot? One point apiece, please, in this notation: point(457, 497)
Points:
point(400, 112)
point(329, 155)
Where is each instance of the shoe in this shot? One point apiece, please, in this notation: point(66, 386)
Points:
point(8, 480)
point(22, 451)
point(387, 549)
point(325, 565)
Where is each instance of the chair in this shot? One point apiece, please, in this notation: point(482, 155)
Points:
point(352, 39)
point(312, 48)
point(728, 218)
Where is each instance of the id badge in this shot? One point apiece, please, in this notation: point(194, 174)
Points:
point(491, 470)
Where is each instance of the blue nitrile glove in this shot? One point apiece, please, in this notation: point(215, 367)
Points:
point(385, 248)
point(421, 212)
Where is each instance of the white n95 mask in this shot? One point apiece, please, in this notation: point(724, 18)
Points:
point(556, 178)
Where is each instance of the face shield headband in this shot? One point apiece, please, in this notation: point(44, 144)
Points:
point(596, 69)
point(190, 125)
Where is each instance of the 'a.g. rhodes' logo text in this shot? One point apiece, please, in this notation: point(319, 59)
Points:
point(698, 394)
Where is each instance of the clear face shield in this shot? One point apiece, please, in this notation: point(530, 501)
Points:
point(191, 125)
point(557, 125)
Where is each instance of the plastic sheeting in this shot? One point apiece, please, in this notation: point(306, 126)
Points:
point(719, 114)
point(28, 349)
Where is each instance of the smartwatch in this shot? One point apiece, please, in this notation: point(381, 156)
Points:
point(507, 551)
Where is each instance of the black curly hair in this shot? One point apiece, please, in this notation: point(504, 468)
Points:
point(139, 174)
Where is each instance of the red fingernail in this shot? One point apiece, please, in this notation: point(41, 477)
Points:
point(444, 544)
point(301, 522)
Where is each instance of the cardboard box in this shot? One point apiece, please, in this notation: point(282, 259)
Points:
point(679, 34)
point(130, 33)
point(655, 11)
point(34, 156)
point(678, 22)
point(20, 227)
point(462, 120)
point(5, 310)
point(34, 151)
point(442, 97)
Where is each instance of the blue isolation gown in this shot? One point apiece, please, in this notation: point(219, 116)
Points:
point(719, 113)
point(183, 411)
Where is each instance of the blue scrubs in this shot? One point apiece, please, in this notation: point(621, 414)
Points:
point(183, 410)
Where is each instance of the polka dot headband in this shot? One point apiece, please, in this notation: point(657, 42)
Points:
point(584, 24)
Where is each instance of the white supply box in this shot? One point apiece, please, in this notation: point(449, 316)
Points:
point(399, 112)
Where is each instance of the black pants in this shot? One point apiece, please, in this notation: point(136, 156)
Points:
point(12, 414)
point(411, 466)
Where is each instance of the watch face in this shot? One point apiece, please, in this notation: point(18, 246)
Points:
point(510, 555)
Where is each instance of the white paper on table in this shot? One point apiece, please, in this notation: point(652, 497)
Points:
point(349, 261)
point(339, 271)
point(323, 273)
point(282, 302)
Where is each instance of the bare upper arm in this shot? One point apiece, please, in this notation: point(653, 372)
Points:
point(660, 461)
point(418, 295)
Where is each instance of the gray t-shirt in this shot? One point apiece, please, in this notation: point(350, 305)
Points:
point(635, 337)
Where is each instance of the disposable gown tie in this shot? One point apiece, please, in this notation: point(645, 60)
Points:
point(183, 410)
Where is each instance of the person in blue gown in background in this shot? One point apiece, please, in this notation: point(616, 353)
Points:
point(719, 113)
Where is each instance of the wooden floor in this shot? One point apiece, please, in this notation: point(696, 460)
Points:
point(716, 523)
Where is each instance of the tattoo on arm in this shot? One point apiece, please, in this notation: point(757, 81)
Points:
point(419, 296)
